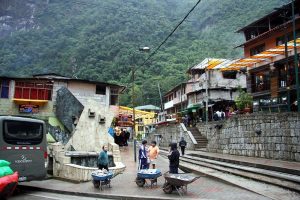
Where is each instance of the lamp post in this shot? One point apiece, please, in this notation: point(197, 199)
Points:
point(143, 49)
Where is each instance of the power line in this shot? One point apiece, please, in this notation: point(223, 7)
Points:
point(165, 40)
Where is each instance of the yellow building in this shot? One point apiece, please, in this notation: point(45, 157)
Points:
point(142, 119)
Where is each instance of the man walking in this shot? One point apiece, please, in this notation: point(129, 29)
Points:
point(182, 145)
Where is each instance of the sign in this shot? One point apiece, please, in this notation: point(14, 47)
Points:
point(28, 109)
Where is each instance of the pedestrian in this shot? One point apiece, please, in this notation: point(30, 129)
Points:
point(111, 131)
point(182, 144)
point(215, 116)
point(173, 159)
point(102, 161)
point(127, 136)
point(222, 115)
point(153, 153)
point(143, 158)
point(219, 114)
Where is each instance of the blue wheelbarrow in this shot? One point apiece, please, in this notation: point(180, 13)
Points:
point(99, 180)
point(150, 174)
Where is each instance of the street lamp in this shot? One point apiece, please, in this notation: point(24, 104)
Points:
point(143, 49)
point(296, 56)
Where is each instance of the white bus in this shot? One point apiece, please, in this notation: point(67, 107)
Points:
point(23, 143)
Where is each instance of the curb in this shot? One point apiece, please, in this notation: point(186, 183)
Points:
point(87, 194)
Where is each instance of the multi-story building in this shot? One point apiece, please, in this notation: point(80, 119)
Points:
point(37, 95)
point(176, 100)
point(270, 59)
point(210, 84)
point(206, 80)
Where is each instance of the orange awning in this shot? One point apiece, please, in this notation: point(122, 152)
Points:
point(268, 54)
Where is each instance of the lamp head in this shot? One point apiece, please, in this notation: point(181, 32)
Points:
point(145, 49)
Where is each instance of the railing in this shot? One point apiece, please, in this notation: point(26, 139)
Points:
point(189, 133)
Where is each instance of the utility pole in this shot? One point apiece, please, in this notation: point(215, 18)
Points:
point(287, 63)
point(144, 49)
point(161, 102)
point(296, 57)
point(133, 111)
point(206, 93)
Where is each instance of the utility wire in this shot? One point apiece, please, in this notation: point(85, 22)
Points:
point(156, 50)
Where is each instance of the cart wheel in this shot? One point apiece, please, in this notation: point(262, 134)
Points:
point(140, 182)
point(96, 184)
point(168, 188)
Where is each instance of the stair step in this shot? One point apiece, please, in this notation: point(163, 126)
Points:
point(247, 163)
point(271, 191)
point(273, 177)
point(286, 180)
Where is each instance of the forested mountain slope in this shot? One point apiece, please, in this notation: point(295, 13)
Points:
point(99, 39)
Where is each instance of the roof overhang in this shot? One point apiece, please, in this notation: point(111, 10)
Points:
point(267, 55)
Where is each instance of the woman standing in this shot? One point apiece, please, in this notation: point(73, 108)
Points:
point(103, 159)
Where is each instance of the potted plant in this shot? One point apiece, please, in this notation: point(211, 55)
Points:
point(244, 101)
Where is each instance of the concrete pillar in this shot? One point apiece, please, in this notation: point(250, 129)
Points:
point(107, 97)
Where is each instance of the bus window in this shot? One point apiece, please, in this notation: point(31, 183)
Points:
point(22, 133)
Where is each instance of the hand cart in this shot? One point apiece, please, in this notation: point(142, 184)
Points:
point(178, 182)
point(102, 179)
point(151, 174)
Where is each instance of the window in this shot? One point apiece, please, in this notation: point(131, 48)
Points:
point(261, 81)
point(229, 74)
point(114, 100)
point(282, 76)
point(100, 89)
point(140, 128)
point(4, 88)
point(33, 90)
point(22, 133)
point(290, 36)
point(256, 50)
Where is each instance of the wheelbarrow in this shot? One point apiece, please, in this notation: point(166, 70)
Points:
point(101, 179)
point(144, 174)
point(178, 182)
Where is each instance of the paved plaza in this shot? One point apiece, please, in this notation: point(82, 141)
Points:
point(124, 185)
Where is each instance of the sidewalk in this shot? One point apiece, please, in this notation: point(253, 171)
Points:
point(124, 187)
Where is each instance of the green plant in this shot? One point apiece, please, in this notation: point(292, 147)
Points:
point(243, 100)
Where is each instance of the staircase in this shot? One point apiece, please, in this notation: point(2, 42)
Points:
point(267, 177)
point(201, 140)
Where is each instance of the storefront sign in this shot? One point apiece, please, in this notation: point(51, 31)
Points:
point(28, 109)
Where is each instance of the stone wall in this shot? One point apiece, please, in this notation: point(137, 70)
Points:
point(264, 135)
point(170, 133)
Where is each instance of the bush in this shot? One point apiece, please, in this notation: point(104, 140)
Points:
point(243, 100)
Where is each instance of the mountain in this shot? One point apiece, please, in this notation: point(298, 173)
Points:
point(99, 39)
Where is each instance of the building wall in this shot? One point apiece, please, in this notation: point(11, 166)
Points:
point(170, 133)
point(279, 137)
point(8, 107)
point(269, 42)
point(85, 91)
point(216, 80)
